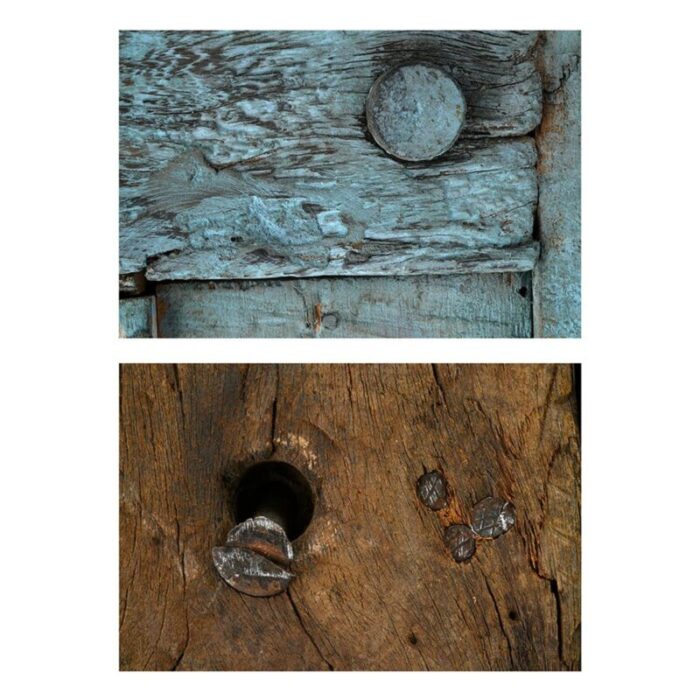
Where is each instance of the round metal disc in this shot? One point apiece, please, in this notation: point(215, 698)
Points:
point(492, 517)
point(460, 542)
point(432, 490)
point(415, 111)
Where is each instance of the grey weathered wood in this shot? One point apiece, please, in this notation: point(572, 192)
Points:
point(468, 306)
point(137, 318)
point(245, 155)
point(557, 277)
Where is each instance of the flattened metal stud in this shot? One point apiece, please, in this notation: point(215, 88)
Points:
point(263, 536)
point(460, 541)
point(492, 517)
point(432, 490)
point(256, 558)
point(415, 111)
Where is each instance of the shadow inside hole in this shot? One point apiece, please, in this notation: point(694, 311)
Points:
point(277, 490)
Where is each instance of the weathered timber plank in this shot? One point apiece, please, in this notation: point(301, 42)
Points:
point(474, 306)
point(557, 278)
point(375, 587)
point(137, 317)
point(245, 155)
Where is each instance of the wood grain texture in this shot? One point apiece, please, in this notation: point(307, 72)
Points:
point(557, 279)
point(245, 155)
point(137, 317)
point(376, 588)
point(472, 306)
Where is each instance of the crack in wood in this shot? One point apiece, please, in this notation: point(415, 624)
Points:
point(438, 382)
point(307, 633)
point(181, 552)
point(500, 620)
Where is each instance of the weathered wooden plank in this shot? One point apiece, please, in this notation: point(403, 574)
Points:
point(137, 317)
point(376, 588)
point(557, 278)
point(245, 155)
point(474, 306)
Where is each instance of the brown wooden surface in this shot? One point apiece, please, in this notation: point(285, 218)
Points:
point(376, 589)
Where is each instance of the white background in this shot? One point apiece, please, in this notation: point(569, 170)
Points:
point(59, 384)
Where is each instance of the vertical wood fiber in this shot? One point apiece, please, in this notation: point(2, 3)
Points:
point(557, 275)
point(376, 588)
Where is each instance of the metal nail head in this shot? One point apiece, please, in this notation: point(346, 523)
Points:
point(492, 517)
point(415, 111)
point(460, 541)
point(256, 558)
point(432, 490)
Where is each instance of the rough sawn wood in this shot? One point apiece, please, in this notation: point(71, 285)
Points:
point(383, 307)
point(245, 155)
point(376, 588)
point(557, 279)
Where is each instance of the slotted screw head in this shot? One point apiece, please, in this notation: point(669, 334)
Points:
point(415, 111)
point(492, 517)
point(460, 541)
point(256, 558)
point(432, 490)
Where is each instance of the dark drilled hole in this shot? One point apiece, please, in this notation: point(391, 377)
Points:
point(277, 490)
point(513, 615)
point(522, 291)
point(413, 639)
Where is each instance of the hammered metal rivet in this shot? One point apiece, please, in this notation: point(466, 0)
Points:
point(460, 541)
point(415, 111)
point(256, 558)
point(432, 490)
point(492, 517)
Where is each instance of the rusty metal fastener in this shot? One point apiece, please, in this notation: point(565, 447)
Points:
point(460, 541)
point(256, 558)
point(432, 490)
point(492, 517)
point(415, 111)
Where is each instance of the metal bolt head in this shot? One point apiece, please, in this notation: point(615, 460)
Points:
point(492, 517)
point(432, 490)
point(415, 111)
point(460, 541)
point(256, 558)
point(263, 536)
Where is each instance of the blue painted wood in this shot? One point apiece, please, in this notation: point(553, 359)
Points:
point(557, 276)
point(137, 317)
point(245, 155)
point(479, 306)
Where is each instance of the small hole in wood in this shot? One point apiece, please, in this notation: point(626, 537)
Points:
point(413, 639)
point(277, 490)
point(522, 291)
point(512, 615)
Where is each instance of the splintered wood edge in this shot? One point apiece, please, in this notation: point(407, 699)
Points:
point(344, 261)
